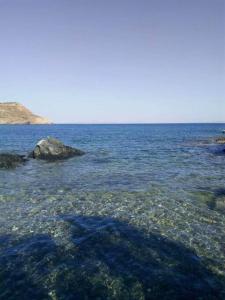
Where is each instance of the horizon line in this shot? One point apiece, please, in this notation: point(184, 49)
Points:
point(134, 123)
point(118, 123)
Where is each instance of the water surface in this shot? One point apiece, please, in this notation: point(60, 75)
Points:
point(140, 216)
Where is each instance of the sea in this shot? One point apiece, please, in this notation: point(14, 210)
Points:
point(140, 216)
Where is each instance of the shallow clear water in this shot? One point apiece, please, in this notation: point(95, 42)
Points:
point(140, 216)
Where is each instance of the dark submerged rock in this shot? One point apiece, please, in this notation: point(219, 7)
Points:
point(221, 144)
point(10, 160)
point(53, 149)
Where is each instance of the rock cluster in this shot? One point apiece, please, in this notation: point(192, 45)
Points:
point(48, 149)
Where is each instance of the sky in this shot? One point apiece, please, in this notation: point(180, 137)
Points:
point(115, 61)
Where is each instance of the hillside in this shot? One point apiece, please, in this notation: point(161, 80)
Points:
point(15, 113)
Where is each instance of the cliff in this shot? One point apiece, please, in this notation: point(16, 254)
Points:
point(15, 113)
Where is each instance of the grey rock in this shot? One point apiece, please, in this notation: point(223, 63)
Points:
point(53, 149)
point(10, 160)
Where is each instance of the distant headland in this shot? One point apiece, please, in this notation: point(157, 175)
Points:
point(16, 113)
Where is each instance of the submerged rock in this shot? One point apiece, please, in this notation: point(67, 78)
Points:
point(221, 141)
point(53, 149)
point(9, 160)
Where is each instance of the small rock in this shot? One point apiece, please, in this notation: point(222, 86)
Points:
point(9, 160)
point(220, 140)
point(53, 149)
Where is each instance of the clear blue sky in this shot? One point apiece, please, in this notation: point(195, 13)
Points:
point(97, 61)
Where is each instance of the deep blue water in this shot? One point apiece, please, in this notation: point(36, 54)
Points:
point(136, 185)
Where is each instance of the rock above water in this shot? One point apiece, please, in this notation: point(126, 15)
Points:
point(53, 149)
point(9, 160)
point(220, 140)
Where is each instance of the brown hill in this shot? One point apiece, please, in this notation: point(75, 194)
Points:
point(15, 113)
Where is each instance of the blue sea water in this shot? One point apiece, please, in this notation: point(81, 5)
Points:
point(122, 157)
point(140, 216)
